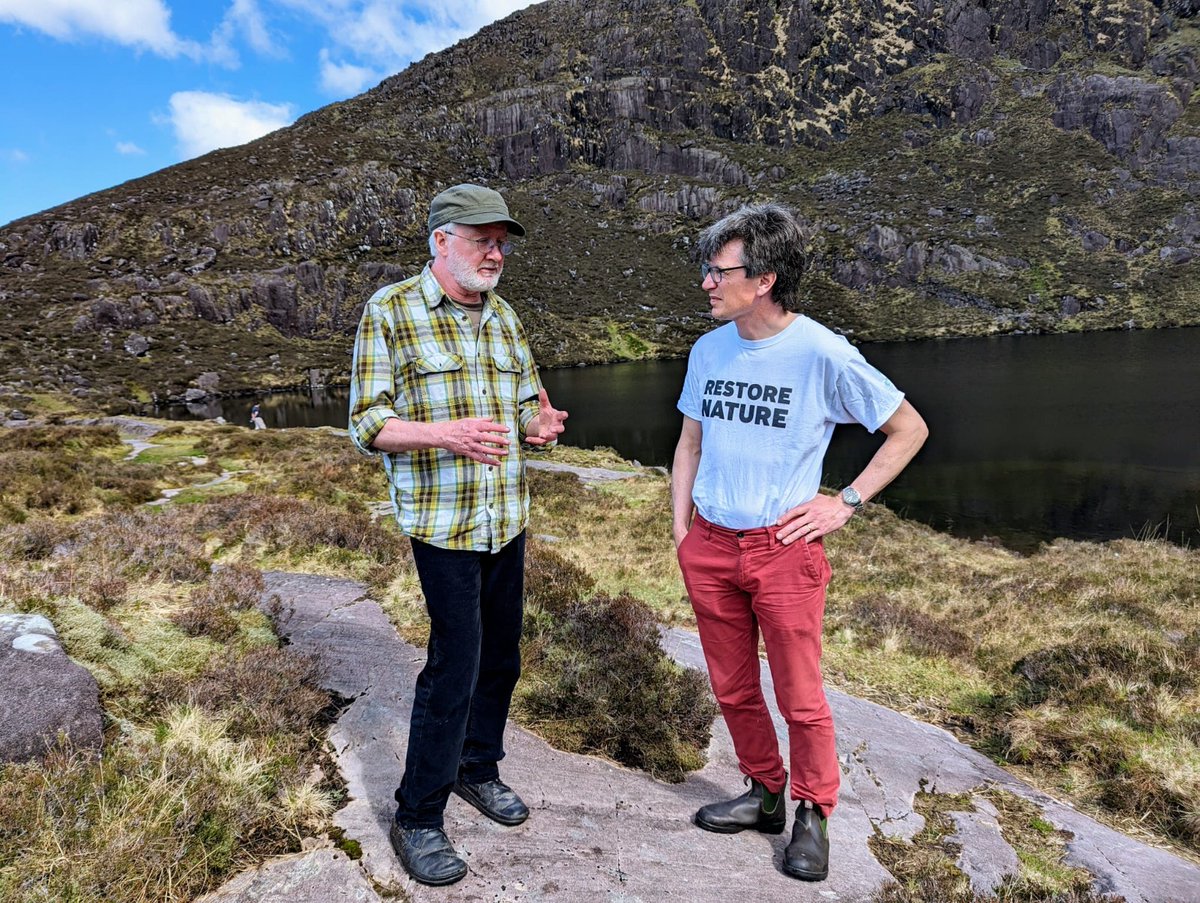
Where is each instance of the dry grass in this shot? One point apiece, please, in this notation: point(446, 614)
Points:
point(619, 532)
point(213, 752)
point(1082, 664)
point(56, 470)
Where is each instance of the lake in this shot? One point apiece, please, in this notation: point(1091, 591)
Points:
point(1088, 436)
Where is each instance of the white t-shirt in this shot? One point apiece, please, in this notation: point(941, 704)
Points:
point(767, 409)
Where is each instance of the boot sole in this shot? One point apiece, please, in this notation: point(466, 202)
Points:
point(436, 882)
point(805, 876)
point(738, 829)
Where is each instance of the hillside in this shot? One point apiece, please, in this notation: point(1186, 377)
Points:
point(965, 168)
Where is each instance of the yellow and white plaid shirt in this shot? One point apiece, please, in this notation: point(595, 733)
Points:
point(416, 356)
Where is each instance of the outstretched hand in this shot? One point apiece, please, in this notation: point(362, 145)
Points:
point(547, 425)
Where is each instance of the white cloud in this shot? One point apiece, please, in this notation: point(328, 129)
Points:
point(205, 122)
point(135, 23)
point(15, 155)
point(128, 148)
point(248, 19)
point(345, 79)
point(245, 20)
point(377, 38)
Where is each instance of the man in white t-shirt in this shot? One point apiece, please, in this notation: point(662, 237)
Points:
point(760, 401)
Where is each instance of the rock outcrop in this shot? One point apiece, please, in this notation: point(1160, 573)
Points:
point(617, 128)
point(44, 696)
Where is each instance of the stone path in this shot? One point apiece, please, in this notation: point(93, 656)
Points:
point(602, 832)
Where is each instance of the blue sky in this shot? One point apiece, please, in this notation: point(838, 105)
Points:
point(97, 92)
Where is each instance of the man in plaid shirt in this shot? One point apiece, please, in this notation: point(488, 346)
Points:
point(443, 383)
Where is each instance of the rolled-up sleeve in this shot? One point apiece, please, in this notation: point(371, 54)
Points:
point(372, 380)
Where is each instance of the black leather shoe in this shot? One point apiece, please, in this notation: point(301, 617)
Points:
point(426, 854)
point(744, 812)
point(807, 856)
point(495, 799)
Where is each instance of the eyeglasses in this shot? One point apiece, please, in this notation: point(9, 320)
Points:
point(717, 273)
point(486, 245)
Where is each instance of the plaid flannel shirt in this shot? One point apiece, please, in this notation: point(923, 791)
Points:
point(416, 357)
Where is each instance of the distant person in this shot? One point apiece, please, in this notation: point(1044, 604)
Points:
point(760, 401)
point(256, 419)
point(443, 380)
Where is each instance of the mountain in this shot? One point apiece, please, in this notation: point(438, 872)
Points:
point(965, 167)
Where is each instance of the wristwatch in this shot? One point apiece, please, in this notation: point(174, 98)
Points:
point(851, 497)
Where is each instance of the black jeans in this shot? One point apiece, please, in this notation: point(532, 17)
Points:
point(460, 707)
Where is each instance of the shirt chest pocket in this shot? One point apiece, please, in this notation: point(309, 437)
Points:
point(438, 386)
point(506, 371)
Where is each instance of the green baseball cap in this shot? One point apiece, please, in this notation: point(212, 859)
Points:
point(471, 205)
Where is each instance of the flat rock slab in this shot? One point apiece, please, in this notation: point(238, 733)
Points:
point(602, 832)
point(42, 692)
point(321, 876)
point(590, 475)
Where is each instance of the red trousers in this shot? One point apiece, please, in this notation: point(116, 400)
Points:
point(744, 581)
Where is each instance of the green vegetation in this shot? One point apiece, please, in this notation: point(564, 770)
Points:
point(924, 870)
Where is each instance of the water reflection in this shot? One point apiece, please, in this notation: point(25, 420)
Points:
point(1091, 436)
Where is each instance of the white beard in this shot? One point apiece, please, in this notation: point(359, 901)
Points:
point(468, 276)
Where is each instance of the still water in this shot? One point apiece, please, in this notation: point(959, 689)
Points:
point(1091, 436)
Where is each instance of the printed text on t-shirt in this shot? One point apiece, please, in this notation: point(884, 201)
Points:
point(715, 406)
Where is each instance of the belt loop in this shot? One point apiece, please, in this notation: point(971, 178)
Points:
point(773, 540)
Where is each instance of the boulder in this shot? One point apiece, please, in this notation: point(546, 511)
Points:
point(209, 382)
point(136, 344)
point(42, 692)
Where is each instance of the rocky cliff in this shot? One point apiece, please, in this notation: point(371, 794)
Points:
point(965, 167)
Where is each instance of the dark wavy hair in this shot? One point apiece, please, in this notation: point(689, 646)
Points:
point(772, 242)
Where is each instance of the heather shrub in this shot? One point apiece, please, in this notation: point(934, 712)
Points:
point(263, 692)
point(59, 439)
point(878, 617)
point(96, 587)
point(312, 464)
point(597, 680)
point(233, 586)
point(296, 526)
point(56, 470)
point(32, 540)
point(206, 619)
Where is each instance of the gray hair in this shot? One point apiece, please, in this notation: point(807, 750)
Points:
point(445, 227)
point(772, 242)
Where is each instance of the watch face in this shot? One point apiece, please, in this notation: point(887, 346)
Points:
point(851, 497)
